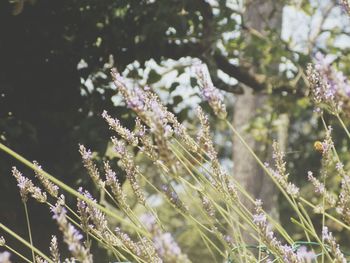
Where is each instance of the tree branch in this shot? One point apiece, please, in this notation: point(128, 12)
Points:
point(239, 73)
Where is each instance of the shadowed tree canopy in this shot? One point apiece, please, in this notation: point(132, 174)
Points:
point(42, 45)
point(43, 114)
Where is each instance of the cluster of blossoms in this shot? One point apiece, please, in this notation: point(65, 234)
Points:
point(126, 134)
point(99, 226)
point(143, 249)
point(71, 235)
point(268, 237)
point(346, 5)
point(218, 178)
point(321, 189)
point(2, 241)
point(343, 207)
point(280, 171)
point(306, 255)
point(5, 257)
point(131, 170)
point(146, 104)
point(26, 187)
point(164, 243)
point(113, 182)
point(153, 135)
point(328, 239)
point(328, 86)
point(54, 251)
point(209, 91)
point(89, 212)
point(50, 187)
point(90, 166)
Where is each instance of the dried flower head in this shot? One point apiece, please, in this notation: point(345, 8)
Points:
point(40, 260)
point(280, 171)
point(328, 238)
point(328, 85)
point(343, 206)
point(2, 241)
point(269, 239)
point(321, 189)
point(50, 187)
point(114, 184)
point(90, 166)
point(130, 168)
point(26, 187)
point(55, 254)
point(123, 132)
point(71, 236)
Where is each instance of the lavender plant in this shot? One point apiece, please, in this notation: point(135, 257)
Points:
point(187, 177)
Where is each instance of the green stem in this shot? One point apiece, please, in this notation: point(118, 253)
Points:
point(69, 189)
point(29, 229)
point(17, 253)
point(26, 243)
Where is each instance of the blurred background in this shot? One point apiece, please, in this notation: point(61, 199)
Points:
point(55, 58)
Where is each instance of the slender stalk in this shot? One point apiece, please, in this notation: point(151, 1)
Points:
point(69, 189)
point(26, 243)
point(18, 254)
point(29, 229)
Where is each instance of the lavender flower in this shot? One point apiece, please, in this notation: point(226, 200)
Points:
point(55, 254)
point(147, 148)
point(209, 91)
point(71, 236)
point(304, 255)
point(219, 178)
point(165, 244)
point(346, 5)
point(150, 110)
point(267, 236)
point(83, 211)
point(127, 242)
point(328, 85)
point(203, 137)
point(114, 184)
point(280, 173)
point(131, 170)
point(339, 166)
point(40, 260)
point(328, 238)
point(90, 166)
point(5, 257)
point(115, 125)
point(149, 221)
point(321, 189)
point(94, 214)
point(2, 241)
point(343, 206)
point(26, 187)
point(50, 187)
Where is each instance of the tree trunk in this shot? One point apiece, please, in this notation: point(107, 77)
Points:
point(263, 16)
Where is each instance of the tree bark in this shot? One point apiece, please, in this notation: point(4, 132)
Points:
point(261, 15)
